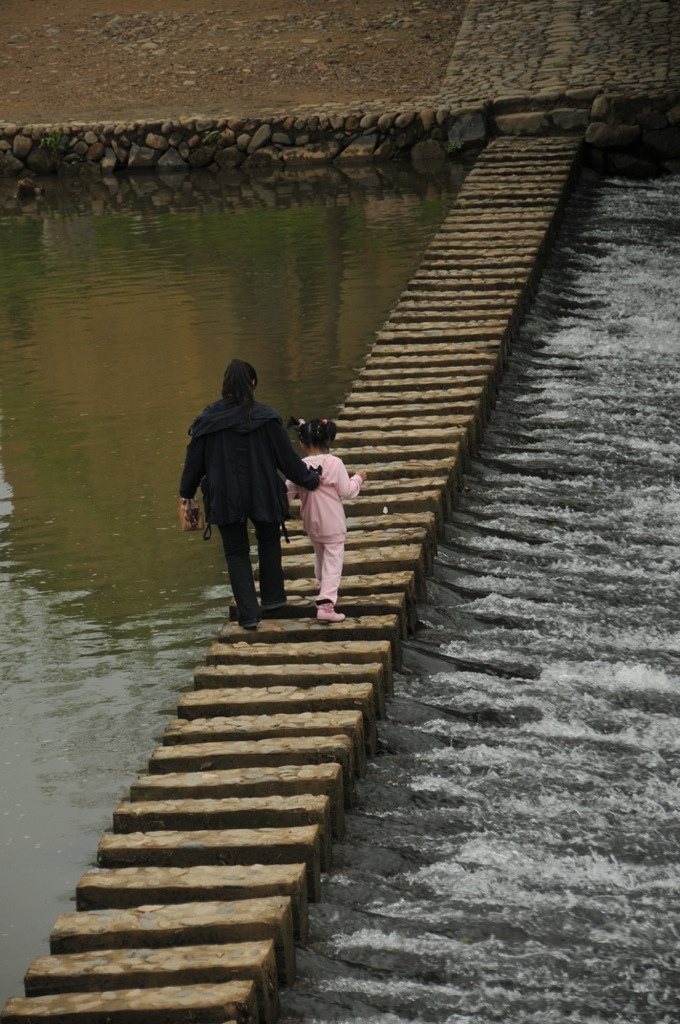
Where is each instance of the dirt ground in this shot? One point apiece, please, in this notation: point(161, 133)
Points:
point(84, 60)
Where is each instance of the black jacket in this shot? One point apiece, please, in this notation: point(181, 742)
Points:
point(239, 459)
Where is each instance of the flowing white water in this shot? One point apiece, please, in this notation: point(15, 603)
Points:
point(515, 855)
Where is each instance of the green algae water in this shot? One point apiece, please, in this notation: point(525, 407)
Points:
point(121, 302)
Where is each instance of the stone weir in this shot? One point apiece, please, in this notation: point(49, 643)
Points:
point(202, 890)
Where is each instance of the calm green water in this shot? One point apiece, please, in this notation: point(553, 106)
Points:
point(120, 306)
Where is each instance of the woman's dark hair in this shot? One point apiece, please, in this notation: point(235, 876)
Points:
point(315, 433)
point(239, 384)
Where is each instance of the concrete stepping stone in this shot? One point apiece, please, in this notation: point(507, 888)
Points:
point(286, 780)
point(381, 560)
point(480, 279)
point(196, 1004)
point(366, 629)
point(461, 219)
point(459, 347)
point(475, 405)
point(447, 470)
point(255, 812)
point(357, 584)
point(457, 400)
point(472, 261)
point(331, 718)
point(454, 397)
point(430, 324)
point(299, 607)
point(436, 270)
point(113, 969)
point(407, 471)
point(153, 926)
point(437, 356)
point(218, 883)
point(338, 653)
point(357, 588)
point(357, 522)
point(397, 556)
point(300, 546)
point(176, 849)
point(488, 199)
point(370, 538)
point(409, 381)
point(281, 683)
point(435, 398)
point(274, 752)
point(398, 438)
point(427, 307)
point(492, 243)
point(302, 676)
point(280, 711)
point(405, 420)
point(419, 338)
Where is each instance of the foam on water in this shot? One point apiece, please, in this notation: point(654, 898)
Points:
point(515, 855)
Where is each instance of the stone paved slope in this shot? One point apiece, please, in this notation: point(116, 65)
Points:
point(524, 48)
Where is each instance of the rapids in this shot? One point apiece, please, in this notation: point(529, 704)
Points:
point(515, 853)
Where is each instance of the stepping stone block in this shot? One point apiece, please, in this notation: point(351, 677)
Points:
point(390, 581)
point(229, 813)
point(367, 629)
point(301, 676)
point(199, 1004)
point(303, 607)
point(381, 558)
point(401, 581)
point(133, 887)
point(337, 653)
point(301, 845)
point(111, 969)
point(183, 924)
point(287, 780)
point(209, 716)
point(299, 542)
point(398, 438)
point(258, 753)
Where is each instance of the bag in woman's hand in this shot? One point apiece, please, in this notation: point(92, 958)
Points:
point(190, 515)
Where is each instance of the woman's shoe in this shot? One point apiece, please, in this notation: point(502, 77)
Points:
point(327, 613)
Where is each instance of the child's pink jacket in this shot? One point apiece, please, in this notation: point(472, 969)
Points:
point(323, 516)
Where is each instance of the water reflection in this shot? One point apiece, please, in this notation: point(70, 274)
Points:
point(118, 320)
point(120, 304)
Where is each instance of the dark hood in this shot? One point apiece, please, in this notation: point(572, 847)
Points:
point(220, 416)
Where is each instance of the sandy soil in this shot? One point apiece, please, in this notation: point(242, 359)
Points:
point(124, 59)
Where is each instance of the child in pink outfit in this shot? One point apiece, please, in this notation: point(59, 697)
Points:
point(323, 516)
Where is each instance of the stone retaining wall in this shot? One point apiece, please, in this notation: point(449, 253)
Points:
point(635, 136)
point(230, 142)
point(629, 135)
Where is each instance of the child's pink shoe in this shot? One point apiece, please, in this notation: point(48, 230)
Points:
point(327, 613)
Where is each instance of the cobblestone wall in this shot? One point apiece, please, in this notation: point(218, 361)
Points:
point(234, 142)
point(624, 134)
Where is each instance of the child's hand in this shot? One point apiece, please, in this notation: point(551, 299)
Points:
point(362, 473)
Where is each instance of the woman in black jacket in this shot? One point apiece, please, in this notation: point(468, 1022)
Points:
point(237, 445)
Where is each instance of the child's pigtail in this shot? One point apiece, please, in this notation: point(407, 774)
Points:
point(301, 428)
point(316, 434)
